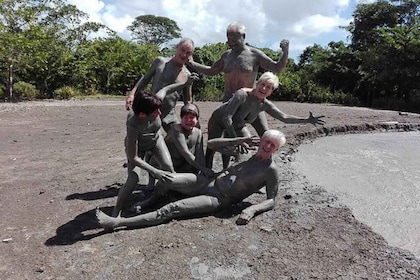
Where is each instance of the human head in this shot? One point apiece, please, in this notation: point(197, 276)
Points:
point(190, 108)
point(275, 135)
point(146, 103)
point(270, 76)
point(184, 50)
point(189, 116)
point(235, 33)
point(270, 142)
point(266, 85)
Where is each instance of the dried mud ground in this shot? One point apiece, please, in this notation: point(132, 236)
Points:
point(61, 160)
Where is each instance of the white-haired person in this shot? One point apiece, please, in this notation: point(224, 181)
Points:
point(206, 195)
point(165, 71)
point(243, 107)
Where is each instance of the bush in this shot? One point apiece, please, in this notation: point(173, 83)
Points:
point(24, 91)
point(65, 93)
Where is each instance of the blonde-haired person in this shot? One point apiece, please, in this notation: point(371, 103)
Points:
point(243, 107)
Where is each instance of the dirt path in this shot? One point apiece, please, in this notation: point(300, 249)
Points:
point(61, 160)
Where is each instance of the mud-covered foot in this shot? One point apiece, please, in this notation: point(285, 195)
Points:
point(105, 221)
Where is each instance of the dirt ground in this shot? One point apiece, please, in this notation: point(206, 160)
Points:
point(61, 160)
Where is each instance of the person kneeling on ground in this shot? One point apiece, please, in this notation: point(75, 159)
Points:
point(210, 195)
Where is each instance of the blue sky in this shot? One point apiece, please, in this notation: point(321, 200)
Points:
point(302, 22)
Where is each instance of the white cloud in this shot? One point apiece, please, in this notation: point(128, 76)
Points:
point(303, 22)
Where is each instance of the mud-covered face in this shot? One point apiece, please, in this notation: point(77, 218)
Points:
point(264, 88)
point(268, 146)
point(189, 121)
point(235, 39)
point(183, 52)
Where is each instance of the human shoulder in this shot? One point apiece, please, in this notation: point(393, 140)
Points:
point(160, 60)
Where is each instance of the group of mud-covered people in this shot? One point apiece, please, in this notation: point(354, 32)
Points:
point(176, 161)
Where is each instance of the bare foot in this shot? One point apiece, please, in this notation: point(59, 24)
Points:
point(105, 221)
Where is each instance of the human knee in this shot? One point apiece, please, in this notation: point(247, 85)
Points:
point(168, 211)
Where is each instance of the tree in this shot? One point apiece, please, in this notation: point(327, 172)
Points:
point(385, 42)
point(39, 38)
point(111, 65)
point(152, 29)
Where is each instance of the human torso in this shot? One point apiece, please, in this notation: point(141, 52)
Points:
point(166, 73)
point(192, 139)
point(247, 108)
point(147, 131)
point(240, 70)
point(242, 180)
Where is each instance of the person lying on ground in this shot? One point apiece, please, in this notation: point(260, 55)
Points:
point(210, 195)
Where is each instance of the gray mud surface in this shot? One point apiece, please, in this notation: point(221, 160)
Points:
point(59, 160)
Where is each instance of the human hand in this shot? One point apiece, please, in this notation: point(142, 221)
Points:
point(190, 60)
point(192, 78)
point(129, 101)
point(284, 45)
point(315, 120)
point(253, 141)
point(245, 217)
point(207, 172)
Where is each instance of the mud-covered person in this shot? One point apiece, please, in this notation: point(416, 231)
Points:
point(230, 118)
point(185, 143)
point(240, 66)
point(211, 195)
point(144, 136)
point(162, 72)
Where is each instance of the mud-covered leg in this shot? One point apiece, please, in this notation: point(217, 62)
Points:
point(260, 124)
point(126, 190)
point(202, 204)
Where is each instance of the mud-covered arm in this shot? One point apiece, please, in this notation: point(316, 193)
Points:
point(276, 67)
point(142, 82)
point(275, 112)
point(231, 107)
point(215, 69)
point(272, 182)
point(182, 147)
point(176, 86)
point(220, 144)
point(132, 155)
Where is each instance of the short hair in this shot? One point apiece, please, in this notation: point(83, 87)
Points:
point(237, 26)
point(145, 102)
point(186, 40)
point(270, 76)
point(190, 108)
point(276, 135)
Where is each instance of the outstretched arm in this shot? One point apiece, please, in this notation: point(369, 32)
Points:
point(215, 69)
point(232, 146)
point(272, 181)
point(273, 111)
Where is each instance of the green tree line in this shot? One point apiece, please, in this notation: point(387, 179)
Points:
point(47, 50)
